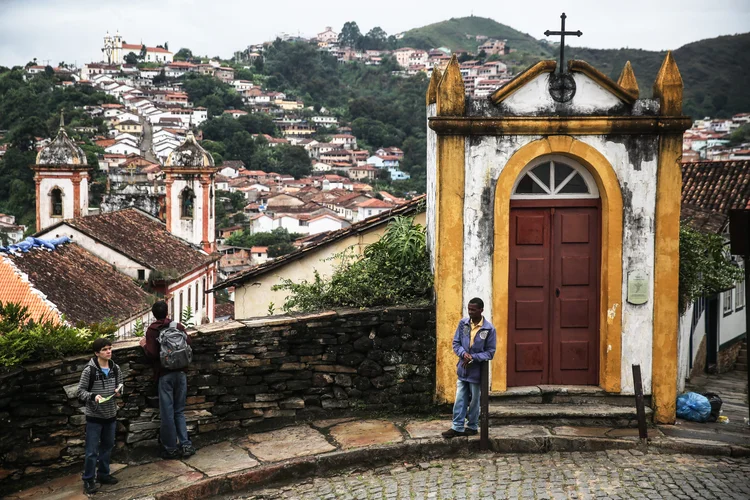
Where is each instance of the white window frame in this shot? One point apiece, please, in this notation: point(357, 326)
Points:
point(739, 295)
point(588, 179)
point(727, 306)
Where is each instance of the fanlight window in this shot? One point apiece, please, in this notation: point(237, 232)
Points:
point(553, 177)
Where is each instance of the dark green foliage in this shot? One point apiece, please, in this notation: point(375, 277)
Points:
point(211, 93)
point(704, 266)
point(275, 237)
point(26, 341)
point(30, 109)
point(279, 249)
point(394, 270)
point(131, 58)
point(184, 54)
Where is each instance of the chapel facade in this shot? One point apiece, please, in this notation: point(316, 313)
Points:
point(557, 201)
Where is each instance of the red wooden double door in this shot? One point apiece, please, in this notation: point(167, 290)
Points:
point(553, 293)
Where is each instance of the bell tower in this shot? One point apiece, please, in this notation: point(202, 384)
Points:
point(61, 175)
point(189, 178)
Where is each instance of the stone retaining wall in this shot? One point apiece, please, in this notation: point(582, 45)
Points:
point(244, 374)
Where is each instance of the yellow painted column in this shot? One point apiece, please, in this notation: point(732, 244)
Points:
point(450, 231)
point(668, 88)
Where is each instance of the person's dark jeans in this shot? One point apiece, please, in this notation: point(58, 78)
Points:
point(172, 394)
point(100, 439)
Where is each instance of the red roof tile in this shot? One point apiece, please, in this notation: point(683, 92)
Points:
point(717, 186)
point(82, 286)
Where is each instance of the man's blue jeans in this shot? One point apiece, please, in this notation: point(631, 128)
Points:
point(172, 394)
point(100, 439)
point(467, 397)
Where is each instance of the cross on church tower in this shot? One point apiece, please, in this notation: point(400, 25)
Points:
point(562, 34)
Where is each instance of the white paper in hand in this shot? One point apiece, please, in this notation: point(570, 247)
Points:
point(119, 388)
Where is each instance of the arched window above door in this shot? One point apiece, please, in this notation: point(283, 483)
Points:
point(554, 177)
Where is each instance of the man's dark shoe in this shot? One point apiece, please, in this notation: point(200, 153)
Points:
point(90, 487)
point(470, 432)
point(188, 451)
point(451, 433)
point(107, 479)
point(171, 455)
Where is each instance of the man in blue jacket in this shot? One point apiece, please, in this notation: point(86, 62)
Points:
point(473, 343)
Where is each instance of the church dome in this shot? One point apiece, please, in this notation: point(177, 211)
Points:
point(189, 154)
point(61, 151)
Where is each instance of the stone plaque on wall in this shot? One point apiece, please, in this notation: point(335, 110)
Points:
point(637, 287)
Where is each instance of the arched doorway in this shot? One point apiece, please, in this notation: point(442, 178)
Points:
point(554, 275)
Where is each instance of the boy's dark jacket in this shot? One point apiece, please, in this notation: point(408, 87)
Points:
point(152, 347)
point(483, 348)
point(103, 385)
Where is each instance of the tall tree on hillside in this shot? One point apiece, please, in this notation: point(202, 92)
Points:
point(131, 58)
point(375, 39)
point(350, 35)
point(183, 54)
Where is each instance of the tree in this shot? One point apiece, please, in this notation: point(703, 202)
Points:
point(142, 54)
point(160, 78)
point(350, 35)
point(183, 54)
point(131, 58)
point(166, 45)
point(293, 160)
point(375, 39)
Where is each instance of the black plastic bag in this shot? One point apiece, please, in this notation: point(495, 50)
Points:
point(716, 403)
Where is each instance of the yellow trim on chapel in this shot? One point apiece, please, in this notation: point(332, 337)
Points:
point(610, 324)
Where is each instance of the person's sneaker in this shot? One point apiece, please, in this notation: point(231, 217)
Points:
point(170, 455)
point(470, 432)
point(90, 487)
point(451, 433)
point(188, 451)
point(107, 479)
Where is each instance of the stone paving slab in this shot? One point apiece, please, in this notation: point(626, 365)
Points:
point(582, 431)
point(426, 428)
point(518, 431)
point(63, 488)
point(222, 458)
point(324, 424)
point(144, 480)
point(366, 433)
point(286, 443)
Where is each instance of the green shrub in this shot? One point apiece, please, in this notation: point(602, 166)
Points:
point(394, 270)
point(25, 341)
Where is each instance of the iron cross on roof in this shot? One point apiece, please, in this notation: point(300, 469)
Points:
point(562, 34)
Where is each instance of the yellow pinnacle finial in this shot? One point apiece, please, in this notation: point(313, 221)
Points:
point(627, 80)
point(432, 88)
point(668, 87)
point(450, 91)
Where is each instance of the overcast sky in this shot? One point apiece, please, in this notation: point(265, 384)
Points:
point(72, 30)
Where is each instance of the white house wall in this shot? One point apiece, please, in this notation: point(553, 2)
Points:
point(485, 159)
point(731, 325)
point(190, 230)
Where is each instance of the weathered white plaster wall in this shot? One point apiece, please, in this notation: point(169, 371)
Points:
point(683, 344)
point(635, 166)
point(45, 199)
point(485, 159)
point(731, 325)
point(431, 185)
point(194, 283)
point(122, 263)
point(190, 230)
point(590, 97)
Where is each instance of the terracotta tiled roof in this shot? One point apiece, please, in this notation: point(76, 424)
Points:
point(16, 288)
point(375, 203)
point(82, 286)
point(222, 310)
point(716, 186)
point(142, 238)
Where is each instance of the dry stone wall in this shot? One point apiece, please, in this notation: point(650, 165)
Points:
point(252, 374)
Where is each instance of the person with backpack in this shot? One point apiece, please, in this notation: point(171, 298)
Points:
point(167, 346)
point(100, 381)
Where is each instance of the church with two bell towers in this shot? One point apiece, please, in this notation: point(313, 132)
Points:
point(127, 238)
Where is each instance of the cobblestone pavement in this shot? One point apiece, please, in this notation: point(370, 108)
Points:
point(612, 474)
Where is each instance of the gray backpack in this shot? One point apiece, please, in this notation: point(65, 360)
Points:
point(174, 351)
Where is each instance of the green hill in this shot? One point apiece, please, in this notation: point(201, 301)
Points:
point(459, 34)
point(715, 71)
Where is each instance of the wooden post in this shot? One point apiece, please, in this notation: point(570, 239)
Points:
point(639, 405)
point(484, 404)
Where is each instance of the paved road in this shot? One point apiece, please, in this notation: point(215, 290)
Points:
point(613, 474)
point(146, 142)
